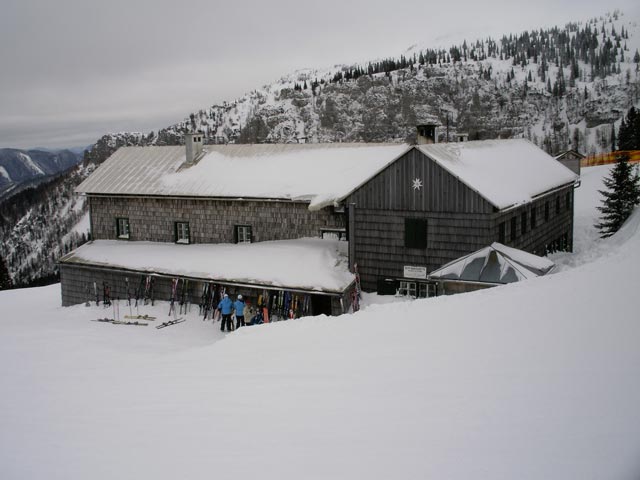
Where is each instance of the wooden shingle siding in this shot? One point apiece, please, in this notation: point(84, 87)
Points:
point(380, 248)
point(392, 189)
point(546, 231)
point(210, 221)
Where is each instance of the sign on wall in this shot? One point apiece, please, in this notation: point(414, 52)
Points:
point(411, 271)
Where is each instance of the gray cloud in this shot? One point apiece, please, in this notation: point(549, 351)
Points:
point(75, 69)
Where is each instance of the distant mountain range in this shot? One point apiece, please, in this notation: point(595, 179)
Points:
point(22, 168)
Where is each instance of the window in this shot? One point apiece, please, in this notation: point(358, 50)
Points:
point(568, 201)
point(417, 289)
point(408, 288)
point(122, 228)
point(523, 222)
point(182, 233)
point(546, 211)
point(501, 233)
point(513, 228)
point(334, 233)
point(426, 290)
point(415, 233)
point(533, 218)
point(243, 234)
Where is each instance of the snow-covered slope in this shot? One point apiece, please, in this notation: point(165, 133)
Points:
point(534, 380)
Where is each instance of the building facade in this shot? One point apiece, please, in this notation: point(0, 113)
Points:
point(416, 215)
point(403, 210)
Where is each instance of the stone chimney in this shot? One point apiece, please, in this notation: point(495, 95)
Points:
point(427, 133)
point(193, 143)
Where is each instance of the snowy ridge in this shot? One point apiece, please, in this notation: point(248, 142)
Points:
point(491, 94)
point(29, 163)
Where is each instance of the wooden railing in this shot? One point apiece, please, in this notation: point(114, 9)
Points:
point(608, 158)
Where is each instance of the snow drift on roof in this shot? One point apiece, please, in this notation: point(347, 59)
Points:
point(321, 174)
point(303, 264)
point(496, 263)
point(505, 172)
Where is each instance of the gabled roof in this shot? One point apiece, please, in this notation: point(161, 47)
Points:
point(320, 174)
point(496, 264)
point(575, 153)
point(505, 172)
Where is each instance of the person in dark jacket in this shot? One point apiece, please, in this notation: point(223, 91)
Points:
point(238, 306)
point(226, 307)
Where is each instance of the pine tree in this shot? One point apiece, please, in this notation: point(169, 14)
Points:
point(620, 197)
point(5, 278)
point(629, 132)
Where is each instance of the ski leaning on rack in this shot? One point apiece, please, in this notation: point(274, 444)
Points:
point(356, 295)
point(174, 294)
point(171, 322)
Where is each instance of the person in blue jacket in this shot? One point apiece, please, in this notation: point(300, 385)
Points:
point(239, 305)
point(226, 307)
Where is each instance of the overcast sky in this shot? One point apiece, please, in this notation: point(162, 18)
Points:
point(72, 70)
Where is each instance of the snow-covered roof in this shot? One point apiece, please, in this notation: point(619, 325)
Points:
point(496, 263)
point(505, 172)
point(311, 264)
point(321, 174)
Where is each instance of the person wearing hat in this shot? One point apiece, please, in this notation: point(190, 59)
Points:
point(238, 305)
point(226, 306)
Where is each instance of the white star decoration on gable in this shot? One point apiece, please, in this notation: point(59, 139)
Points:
point(417, 184)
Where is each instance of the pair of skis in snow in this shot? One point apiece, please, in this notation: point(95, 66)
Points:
point(120, 322)
point(171, 322)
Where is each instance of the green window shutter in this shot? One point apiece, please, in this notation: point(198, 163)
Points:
point(235, 234)
point(175, 231)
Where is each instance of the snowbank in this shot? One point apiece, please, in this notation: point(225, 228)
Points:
point(534, 380)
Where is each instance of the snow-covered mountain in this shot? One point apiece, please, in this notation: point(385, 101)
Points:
point(563, 87)
point(41, 223)
point(23, 167)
